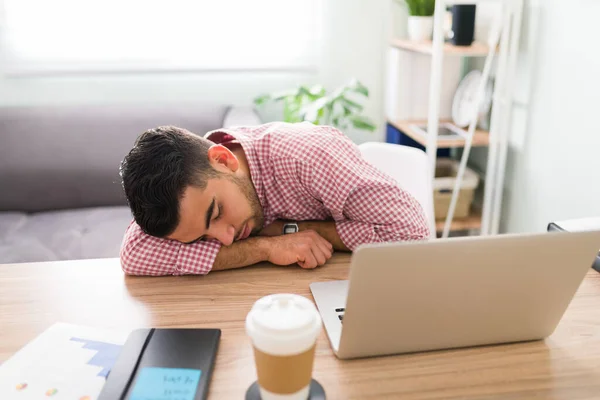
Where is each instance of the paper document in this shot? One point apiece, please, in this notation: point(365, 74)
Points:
point(64, 362)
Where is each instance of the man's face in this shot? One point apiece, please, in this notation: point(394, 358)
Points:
point(227, 210)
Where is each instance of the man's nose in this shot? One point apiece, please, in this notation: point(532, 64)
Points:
point(225, 234)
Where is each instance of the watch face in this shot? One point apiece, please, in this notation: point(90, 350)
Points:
point(290, 228)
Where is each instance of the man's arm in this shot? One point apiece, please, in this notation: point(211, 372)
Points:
point(325, 229)
point(241, 254)
point(381, 213)
point(307, 249)
point(142, 254)
point(367, 205)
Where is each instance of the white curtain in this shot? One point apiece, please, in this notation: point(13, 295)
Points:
point(148, 35)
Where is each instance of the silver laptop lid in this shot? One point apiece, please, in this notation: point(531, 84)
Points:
point(406, 297)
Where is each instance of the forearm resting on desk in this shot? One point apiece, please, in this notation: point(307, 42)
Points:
point(242, 254)
point(326, 229)
point(307, 249)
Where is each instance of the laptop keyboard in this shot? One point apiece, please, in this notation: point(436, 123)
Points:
point(340, 313)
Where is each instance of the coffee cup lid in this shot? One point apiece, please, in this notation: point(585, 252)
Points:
point(284, 317)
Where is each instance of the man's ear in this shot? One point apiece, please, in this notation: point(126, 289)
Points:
point(220, 156)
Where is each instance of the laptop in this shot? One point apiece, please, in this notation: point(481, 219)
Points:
point(451, 293)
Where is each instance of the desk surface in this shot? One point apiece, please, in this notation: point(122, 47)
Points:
point(95, 293)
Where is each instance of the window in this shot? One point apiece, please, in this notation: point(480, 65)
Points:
point(151, 35)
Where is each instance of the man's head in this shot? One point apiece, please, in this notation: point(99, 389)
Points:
point(183, 187)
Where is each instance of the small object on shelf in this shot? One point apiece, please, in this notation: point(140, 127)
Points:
point(420, 18)
point(446, 130)
point(464, 100)
point(443, 184)
point(395, 136)
point(420, 28)
point(463, 24)
point(481, 138)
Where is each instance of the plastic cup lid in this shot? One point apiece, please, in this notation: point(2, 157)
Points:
point(286, 314)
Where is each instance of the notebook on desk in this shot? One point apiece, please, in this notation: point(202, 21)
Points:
point(578, 225)
point(169, 364)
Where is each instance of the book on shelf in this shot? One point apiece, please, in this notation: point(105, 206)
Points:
point(446, 130)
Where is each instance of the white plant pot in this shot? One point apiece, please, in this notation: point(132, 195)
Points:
point(420, 28)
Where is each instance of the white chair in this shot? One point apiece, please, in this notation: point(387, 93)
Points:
point(409, 167)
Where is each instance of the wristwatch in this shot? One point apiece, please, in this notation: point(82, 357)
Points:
point(290, 227)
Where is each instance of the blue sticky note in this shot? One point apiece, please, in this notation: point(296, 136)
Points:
point(166, 384)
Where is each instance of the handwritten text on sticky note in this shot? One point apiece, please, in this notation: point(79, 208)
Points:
point(166, 384)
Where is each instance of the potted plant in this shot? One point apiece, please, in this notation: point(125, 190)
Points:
point(420, 19)
point(341, 108)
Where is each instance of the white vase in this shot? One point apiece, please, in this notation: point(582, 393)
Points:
point(420, 28)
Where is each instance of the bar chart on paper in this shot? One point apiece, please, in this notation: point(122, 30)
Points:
point(64, 362)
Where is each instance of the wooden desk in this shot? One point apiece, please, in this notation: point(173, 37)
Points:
point(95, 293)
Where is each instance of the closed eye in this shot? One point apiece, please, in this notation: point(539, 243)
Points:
point(219, 215)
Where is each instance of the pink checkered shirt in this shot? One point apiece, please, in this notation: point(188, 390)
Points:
point(301, 172)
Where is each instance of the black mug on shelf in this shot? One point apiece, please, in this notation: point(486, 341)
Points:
point(463, 25)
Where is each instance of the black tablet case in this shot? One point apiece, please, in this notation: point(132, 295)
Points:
point(163, 348)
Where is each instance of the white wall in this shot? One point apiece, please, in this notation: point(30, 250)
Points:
point(553, 169)
point(553, 166)
point(354, 35)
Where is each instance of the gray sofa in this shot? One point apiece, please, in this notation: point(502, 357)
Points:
point(60, 195)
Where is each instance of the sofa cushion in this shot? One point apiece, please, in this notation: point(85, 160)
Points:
point(64, 157)
point(62, 235)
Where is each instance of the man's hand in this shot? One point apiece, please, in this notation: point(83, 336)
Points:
point(307, 248)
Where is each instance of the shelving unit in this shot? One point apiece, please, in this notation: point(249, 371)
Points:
point(502, 48)
point(480, 139)
point(472, 222)
point(426, 47)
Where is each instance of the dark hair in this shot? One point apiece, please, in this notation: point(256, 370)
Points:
point(163, 162)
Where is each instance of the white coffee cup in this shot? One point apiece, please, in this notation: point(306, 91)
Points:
point(283, 329)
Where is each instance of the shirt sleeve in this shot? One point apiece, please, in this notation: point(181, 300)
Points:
point(367, 205)
point(142, 254)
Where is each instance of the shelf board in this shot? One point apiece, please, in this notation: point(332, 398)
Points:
point(480, 139)
point(476, 49)
point(473, 221)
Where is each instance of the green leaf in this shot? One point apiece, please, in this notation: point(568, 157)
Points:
point(357, 87)
point(320, 116)
point(362, 90)
point(318, 91)
point(351, 104)
point(361, 122)
point(291, 110)
point(421, 8)
point(412, 6)
point(337, 94)
point(312, 103)
point(303, 91)
point(262, 99)
point(310, 112)
point(281, 95)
